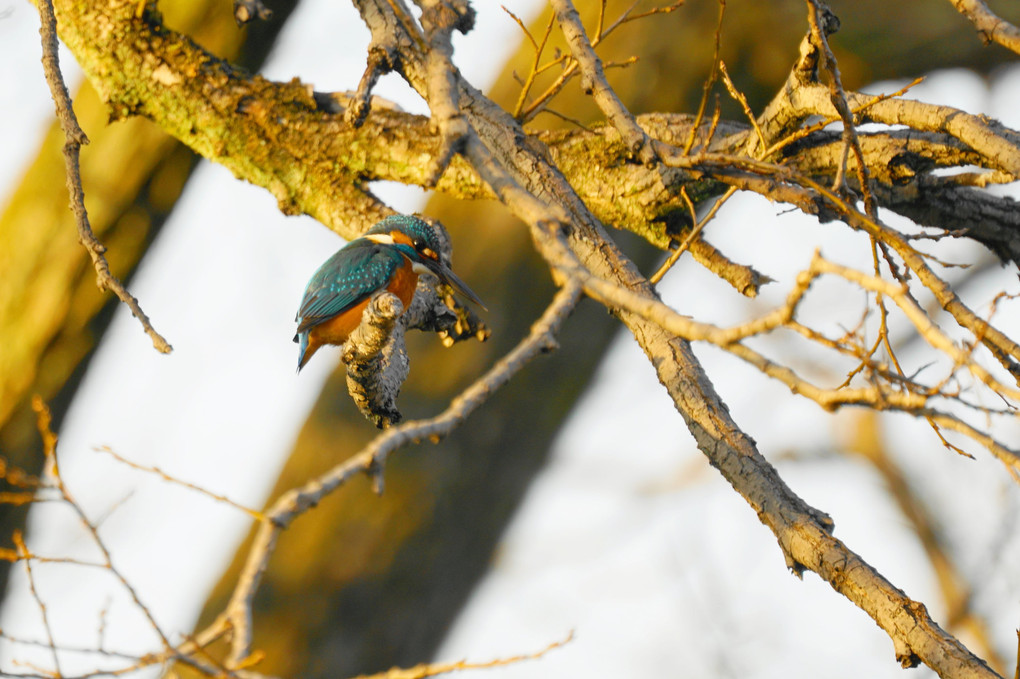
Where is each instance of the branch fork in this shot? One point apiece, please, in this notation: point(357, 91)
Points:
point(584, 257)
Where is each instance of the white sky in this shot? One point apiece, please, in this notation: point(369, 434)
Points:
point(629, 538)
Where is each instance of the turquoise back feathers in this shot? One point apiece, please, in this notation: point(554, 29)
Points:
point(397, 248)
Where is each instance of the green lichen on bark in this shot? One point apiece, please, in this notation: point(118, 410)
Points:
point(275, 135)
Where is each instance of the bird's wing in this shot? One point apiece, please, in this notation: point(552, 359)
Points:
point(345, 279)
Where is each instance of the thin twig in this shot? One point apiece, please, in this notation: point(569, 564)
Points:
point(817, 17)
point(739, 97)
point(570, 65)
point(253, 513)
point(26, 557)
point(75, 137)
point(539, 46)
point(593, 81)
point(695, 231)
point(563, 116)
point(433, 669)
point(44, 418)
point(713, 75)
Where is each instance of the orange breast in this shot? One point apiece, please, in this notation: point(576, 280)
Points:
point(404, 283)
point(337, 329)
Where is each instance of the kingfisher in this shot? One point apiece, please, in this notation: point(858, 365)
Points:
point(389, 257)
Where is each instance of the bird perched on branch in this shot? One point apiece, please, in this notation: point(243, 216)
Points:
point(388, 258)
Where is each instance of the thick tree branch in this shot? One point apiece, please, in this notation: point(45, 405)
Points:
point(280, 137)
point(517, 168)
point(539, 195)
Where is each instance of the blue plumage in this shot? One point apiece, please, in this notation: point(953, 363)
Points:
point(419, 231)
point(349, 276)
point(391, 253)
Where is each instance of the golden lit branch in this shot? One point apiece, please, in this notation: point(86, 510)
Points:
point(991, 27)
point(551, 182)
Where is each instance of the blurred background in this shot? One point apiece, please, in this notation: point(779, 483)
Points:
point(574, 501)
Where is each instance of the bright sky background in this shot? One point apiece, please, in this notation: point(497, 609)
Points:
point(628, 539)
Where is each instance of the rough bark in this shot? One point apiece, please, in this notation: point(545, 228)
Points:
point(423, 507)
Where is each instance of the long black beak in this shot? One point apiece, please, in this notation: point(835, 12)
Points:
point(444, 274)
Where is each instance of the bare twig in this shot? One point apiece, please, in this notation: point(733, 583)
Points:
point(570, 65)
point(713, 75)
point(26, 557)
point(253, 513)
point(75, 138)
point(821, 18)
point(539, 46)
point(50, 448)
point(696, 228)
point(739, 97)
point(990, 26)
point(433, 669)
point(593, 81)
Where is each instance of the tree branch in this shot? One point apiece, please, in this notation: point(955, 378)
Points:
point(75, 138)
point(278, 136)
point(518, 169)
point(990, 26)
point(593, 81)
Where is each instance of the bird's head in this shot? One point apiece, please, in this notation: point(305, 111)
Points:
point(407, 230)
point(417, 239)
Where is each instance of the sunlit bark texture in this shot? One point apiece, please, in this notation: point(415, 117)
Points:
point(367, 582)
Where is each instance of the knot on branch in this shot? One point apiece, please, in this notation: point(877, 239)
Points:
point(904, 655)
point(448, 15)
point(904, 167)
point(382, 59)
point(811, 48)
point(465, 15)
point(246, 10)
point(827, 19)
